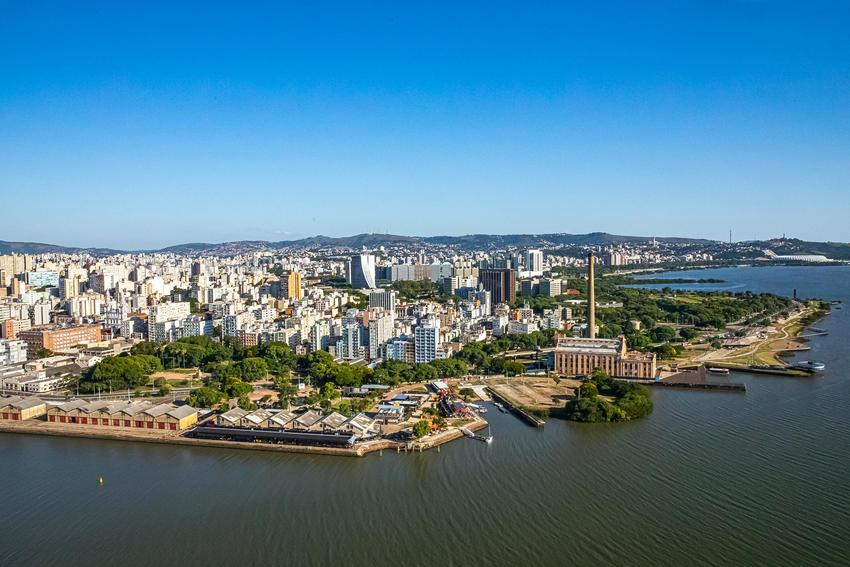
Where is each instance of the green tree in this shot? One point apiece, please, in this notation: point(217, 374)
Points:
point(286, 392)
point(466, 394)
point(278, 357)
point(421, 428)
point(205, 397)
point(329, 392)
point(253, 369)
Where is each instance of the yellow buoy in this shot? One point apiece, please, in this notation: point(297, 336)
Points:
point(101, 480)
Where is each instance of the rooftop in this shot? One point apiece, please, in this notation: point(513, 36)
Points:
point(591, 346)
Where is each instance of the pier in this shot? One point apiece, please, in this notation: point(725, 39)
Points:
point(697, 378)
point(772, 370)
point(527, 416)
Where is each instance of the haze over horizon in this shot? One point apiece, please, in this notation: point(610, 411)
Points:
point(160, 125)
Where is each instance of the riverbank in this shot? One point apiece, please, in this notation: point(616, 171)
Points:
point(763, 347)
point(38, 427)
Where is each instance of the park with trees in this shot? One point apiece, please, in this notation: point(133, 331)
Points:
point(600, 398)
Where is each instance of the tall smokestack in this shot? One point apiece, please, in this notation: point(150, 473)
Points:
point(591, 296)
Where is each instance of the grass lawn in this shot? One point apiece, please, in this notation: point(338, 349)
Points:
point(689, 299)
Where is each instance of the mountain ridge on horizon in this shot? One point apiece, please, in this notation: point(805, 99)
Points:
point(373, 240)
point(353, 241)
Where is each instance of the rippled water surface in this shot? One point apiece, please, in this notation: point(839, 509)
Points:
point(761, 478)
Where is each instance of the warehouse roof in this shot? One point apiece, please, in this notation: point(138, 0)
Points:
point(282, 417)
point(233, 415)
point(158, 410)
point(182, 412)
point(258, 416)
point(334, 420)
point(27, 403)
point(308, 418)
point(6, 402)
point(94, 406)
point(135, 408)
point(361, 422)
point(72, 405)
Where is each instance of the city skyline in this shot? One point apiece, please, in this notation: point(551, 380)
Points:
point(176, 125)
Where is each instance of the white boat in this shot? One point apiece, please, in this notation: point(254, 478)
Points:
point(809, 365)
point(721, 371)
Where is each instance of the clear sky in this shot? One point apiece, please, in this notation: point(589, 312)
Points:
point(174, 122)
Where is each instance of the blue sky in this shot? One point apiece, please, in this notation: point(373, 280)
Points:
point(159, 124)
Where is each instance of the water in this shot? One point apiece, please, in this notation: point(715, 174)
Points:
point(710, 478)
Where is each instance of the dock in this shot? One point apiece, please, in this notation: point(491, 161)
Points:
point(695, 378)
point(477, 437)
point(525, 415)
point(771, 370)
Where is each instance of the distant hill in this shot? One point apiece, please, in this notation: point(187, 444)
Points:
point(478, 241)
point(7, 247)
point(835, 250)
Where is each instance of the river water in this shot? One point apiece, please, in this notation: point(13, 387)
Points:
point(708, 479)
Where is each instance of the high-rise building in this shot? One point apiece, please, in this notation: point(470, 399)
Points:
point(69, 287)
point(426, 341)
point(169, 311)
point(380, 331)
point(550, 287)
point(382, 298)
point(529, 287)
point(41, 312)
point(449, 285)
point(501, 283)
point(534, 261)
point(12, 352)
point(348, 345)
point(400, 349)
point(292, 286)
point(319, 335)
point(14, 264)
point(360, 271)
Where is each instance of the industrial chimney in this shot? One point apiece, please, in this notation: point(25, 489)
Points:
point(591, 296)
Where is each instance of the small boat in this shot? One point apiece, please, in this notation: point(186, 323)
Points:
point(501, 407)
point(809, 365)
point(721, 371)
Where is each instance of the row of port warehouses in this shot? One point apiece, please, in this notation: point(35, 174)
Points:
point(126, 414)
point(360, 425)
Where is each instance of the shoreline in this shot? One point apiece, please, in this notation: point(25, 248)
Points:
point(784, 338)
point(38, 427)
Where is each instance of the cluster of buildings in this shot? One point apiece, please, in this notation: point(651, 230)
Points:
point(74, 304)
point(314, 421)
